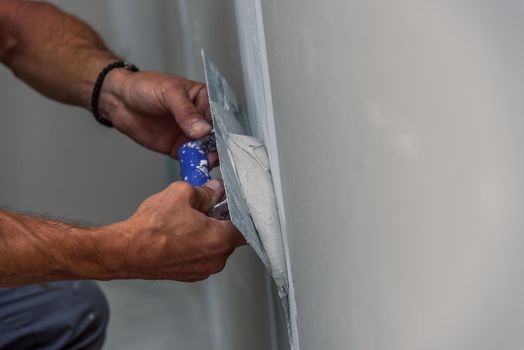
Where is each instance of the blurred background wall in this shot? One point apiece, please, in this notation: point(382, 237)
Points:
point(56, 160)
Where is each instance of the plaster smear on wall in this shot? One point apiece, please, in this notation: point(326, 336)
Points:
point(248, 183)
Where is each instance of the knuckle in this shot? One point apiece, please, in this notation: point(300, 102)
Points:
point(218, 244)
point(171, 86)
point(188, 111)
point(182, 189)
point(195, 87)
point(200, 89)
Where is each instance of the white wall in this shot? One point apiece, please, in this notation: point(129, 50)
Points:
point(399, 127)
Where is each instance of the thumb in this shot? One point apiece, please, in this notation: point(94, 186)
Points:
point(207, 196)
point(186, 114)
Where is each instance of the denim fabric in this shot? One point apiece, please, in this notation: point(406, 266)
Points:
point(57, 315)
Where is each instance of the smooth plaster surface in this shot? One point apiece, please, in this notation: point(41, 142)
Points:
point(399, 128)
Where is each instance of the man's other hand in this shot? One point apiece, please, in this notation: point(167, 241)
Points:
point(159, 111)
point(171, 237)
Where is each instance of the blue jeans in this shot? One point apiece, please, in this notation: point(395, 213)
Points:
point(57, 315)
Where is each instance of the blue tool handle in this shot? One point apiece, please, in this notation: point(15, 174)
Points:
point(194, 167)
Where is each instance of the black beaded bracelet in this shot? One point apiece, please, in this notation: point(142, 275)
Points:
point(98, 85)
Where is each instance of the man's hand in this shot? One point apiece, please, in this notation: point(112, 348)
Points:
point(170, 237)
point(159, 111)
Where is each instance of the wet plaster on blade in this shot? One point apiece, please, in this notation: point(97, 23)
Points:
point(248, 183)
point(260, 199)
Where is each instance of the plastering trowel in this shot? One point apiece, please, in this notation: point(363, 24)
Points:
point(248, 183)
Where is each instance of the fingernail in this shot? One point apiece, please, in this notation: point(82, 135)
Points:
point(215, 185)
point(200, 128)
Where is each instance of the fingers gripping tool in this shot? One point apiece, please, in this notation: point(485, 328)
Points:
point(194, 169)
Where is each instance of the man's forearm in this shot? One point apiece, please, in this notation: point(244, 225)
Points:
point(54, 52)
point(36, 250)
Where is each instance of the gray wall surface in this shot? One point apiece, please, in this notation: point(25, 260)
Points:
point(399, 127)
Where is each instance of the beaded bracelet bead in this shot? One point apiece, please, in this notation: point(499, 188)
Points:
point(98, 86)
